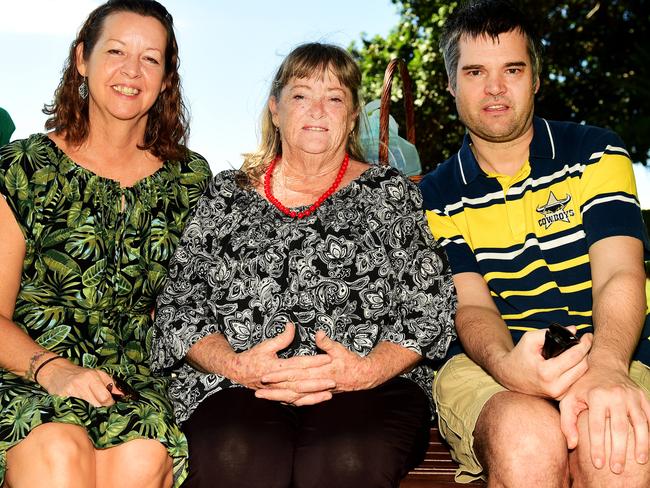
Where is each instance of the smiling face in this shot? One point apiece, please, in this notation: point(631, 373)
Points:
point(495, 89)
point(314, 115)
point(126, 68)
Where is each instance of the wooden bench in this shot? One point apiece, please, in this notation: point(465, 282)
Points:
point(437, 470)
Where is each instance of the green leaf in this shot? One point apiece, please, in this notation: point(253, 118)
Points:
point(192, 178)
point(56, 237)
point(60, 262)
point(133, 270)
point(134, 351)
point(43, 317)
point(51, 195)
point(200, 167)
point(77, 215)
point(94, 275)
point(89, 360)
point(54, 336)
point(32, 149)
point(84, 243)
point(16, 181)
point(115, 425)
point(71, 190)
point(123, 286)
point(44, 175)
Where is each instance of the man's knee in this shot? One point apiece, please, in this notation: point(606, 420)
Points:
point(633, 476)
point(584, 473)
point(518, 438)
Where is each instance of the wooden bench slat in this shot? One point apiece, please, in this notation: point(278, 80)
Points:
point(437, 470)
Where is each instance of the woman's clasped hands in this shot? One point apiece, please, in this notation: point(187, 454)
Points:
point(300, 380)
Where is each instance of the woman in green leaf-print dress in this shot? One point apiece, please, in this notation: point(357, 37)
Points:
point(91, 214)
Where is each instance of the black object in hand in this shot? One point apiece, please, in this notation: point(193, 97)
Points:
point(558, 339)
point(130, 394)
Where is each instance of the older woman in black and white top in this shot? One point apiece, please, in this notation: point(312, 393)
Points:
point(309, 281)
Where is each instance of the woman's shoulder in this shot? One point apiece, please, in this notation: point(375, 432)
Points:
point(219, 197)
point(225, 183)
point(36, 141)
point(378, 174)
point(193, 163)
point(29, 154)
point(391, 184)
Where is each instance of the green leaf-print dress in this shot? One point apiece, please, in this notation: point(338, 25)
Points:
point(96, 258)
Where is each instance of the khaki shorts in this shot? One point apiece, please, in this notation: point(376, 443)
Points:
point(461, 389)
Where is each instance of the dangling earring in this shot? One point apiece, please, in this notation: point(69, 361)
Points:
point(83, 89)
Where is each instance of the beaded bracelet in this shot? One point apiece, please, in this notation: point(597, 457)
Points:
point(40, 366)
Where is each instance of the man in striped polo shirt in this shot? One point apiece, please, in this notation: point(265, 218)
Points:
point(541, 224)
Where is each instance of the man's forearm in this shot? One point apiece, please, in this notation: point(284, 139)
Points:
point(485, 337)
point(618, 314)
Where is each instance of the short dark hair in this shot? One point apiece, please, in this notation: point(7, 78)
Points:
point(477, 18)
point(167, 127)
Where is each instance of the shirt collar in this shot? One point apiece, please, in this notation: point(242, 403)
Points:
point(542, 146)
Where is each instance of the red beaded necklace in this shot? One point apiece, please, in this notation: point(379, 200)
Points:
point(312, 208)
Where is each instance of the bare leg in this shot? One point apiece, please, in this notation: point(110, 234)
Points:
point(519, 442)
point(53, 455)
point(140, 463)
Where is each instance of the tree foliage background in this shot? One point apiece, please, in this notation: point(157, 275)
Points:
point(596, 69)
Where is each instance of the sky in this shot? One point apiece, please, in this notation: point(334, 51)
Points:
point(229, 51)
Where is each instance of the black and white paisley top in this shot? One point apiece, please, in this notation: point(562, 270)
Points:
point(364, 268)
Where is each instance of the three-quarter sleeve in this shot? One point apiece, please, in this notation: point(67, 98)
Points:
point(423, 304)
point(183, 312)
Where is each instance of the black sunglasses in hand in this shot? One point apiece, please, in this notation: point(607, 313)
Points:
point(129, 393)
point(558, 339)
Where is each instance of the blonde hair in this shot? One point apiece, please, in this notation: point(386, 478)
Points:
point(304, 61)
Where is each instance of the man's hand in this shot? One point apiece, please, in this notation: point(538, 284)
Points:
point(610, 397)
point(520, 368)
point(606, 391)
point(524, 370)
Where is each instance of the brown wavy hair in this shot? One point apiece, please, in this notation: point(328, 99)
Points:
point(167, 127)
point(304, 61)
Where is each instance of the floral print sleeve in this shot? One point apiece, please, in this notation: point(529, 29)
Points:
point(423, 302)
point(191, 270)
point(364, 268)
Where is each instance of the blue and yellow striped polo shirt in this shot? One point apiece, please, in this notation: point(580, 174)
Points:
point(529, 234)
